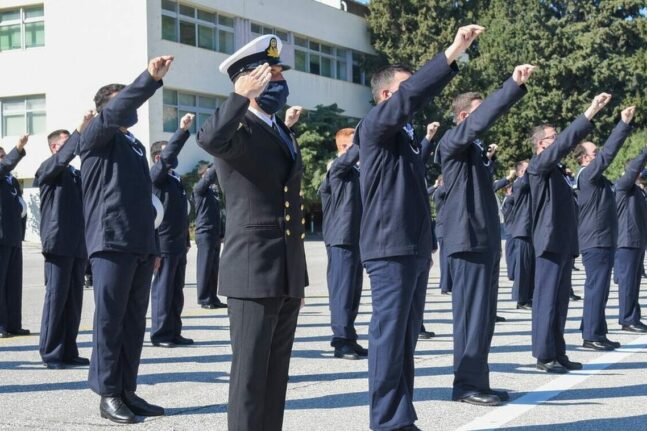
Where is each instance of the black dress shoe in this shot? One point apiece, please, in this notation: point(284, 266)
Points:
point(19, 332)
point(54, 365)
point(425, 335)
point(575, 297)
point(361, 351)
point(575, 268)
point(568, 364)
point(167, 344)
point(481, 399)
point(503, 395)
point(208, 306)
point(597, 345)
point(140, 407)
point(114, 409)
point(524, 306)
point(181, 341)
point(345, 351)
point(442, 292)
point(78, 362)
point(638, 327)
point(552, 367)
point(5, 334)
point(615, 344)
point(499, 319)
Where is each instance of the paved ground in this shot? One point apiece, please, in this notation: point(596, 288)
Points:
point(326, 393)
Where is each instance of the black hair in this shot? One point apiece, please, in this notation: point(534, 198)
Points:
point(103, 95)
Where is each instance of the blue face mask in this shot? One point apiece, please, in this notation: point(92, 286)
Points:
point(274, 98)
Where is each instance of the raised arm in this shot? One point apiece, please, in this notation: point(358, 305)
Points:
point(123, 107)
point(494, 106)
point(344, 163)
point(427, 144)
point(10, 161)
point(51, 168)
point(608, 152)
point(628, 179)
point(202, 186)
point(500, 184)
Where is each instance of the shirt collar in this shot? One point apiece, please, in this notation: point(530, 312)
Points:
point(267, 119)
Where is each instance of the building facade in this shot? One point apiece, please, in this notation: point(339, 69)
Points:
point(55, 54)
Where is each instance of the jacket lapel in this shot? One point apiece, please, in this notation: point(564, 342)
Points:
point(270, 132)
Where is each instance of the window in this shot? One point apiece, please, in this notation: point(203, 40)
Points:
point(197, 27)
point(178, 103)
point(260, 29)
point(359, 75)
point(22, 28)
point(22, 115)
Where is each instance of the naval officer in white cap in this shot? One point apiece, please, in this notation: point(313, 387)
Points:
point(263, 266)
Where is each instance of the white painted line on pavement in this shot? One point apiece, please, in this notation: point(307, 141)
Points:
point(502, 415)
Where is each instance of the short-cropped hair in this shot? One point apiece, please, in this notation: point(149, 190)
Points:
point(463, 101)
point(103, 95)
point(156, 148)
point(383, 78)
point(55, 134)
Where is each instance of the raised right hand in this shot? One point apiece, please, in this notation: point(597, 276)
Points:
point(253, 84)
point(463, 39)
point(87, 117)
point(599, 102)
point(159, 66)
point(627, 114)
point(22, 141)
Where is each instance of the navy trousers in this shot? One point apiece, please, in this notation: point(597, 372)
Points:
point(598, 263)
point(207, 272)
point(511, 255)
point(344, 276)
point(398, 288)
point(627, 267)
point(474, 303)
point(445, 279)
point(167, 298)
point(550, 305)
point(62, 308)
point(10, 288)
point(262, 334)
point(524, 270)
point(121, 290)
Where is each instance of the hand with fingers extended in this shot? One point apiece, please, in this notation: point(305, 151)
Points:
point(22, 141)
point(159, 66)
point(599, 102)
point(463, 39)
point(521, 73)
point(252, 84)
point(432, 128)
point(627, 114)
point(186, 121)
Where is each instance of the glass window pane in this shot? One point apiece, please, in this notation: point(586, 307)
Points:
point(225, 42)
point(10, 15)
point(314, 46)
point(170, 119)
point(10, 37)
point(186, 100)
point(34, 12)
point(36, 123)
point(227, 21)
point(300, 60)
point(35, 34)
point(35, 103)
point(341, 71)
point(283, 35)
point(326, 49)
point(258, 29)
point(13, 125)
point(169, 5)
point(341, 53)
point(315, 64)
point(299, 41)
point(201, 119)
point(326, 67)
point(206, 16)
point(206, 102)
point(169, 28)
point(170, 97)
point(13, 105)
point(187, 11)
point(357, 74)
point(187, 33)
point(206, 37)
point(181, 114)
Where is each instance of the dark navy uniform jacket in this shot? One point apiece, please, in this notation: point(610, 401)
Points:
point(207, 209)
point(632, 206)
point(471, 211)
point(11, 223)
point(438, 196)
point(598, 218)
point(554, 212)
point(174, 230)
point(396, 220)
point(62, 230)
point(263, 254)
point(519, 219)
point(341, 201)
point(116, 181)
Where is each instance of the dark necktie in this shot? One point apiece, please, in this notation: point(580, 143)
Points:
point(284, 138)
